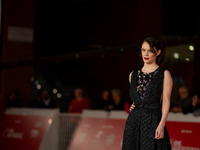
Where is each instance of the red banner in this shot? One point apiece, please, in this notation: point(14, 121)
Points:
point(98, 134)
point(184, 135)
point(107, 134)
point(20, 132)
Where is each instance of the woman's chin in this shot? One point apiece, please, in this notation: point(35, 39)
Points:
point(148, 62)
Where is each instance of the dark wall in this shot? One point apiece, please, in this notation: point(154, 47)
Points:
point(64, 27)
point(17, 48)
point(180, 18)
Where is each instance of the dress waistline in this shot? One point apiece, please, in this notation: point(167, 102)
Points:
point(147, 106)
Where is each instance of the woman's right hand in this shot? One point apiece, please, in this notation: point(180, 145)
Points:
point(132, 106)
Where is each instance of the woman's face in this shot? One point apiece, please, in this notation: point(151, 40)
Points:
point(148, 55)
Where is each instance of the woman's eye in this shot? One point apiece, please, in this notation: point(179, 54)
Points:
point(152, 51)
point(143, 50)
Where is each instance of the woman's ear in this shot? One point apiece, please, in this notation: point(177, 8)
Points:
point(158, 52)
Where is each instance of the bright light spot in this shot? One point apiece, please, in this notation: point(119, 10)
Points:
point(38, 86)
point(176, 55)
point(191, 48)
point(49, 121)
point(59, 95)
point(55, 91)
point(187, 59)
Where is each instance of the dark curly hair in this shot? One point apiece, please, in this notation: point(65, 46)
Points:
point(156, 45)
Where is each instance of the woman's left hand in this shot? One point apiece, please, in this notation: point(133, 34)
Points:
point(159, 134)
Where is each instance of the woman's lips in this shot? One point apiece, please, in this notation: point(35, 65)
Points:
point(146, 58)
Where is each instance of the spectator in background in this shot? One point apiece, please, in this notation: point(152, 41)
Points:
point(47, 101)
point(105, 100)
point(37, 101)
point(118, 103)
point(196, 104)
point(184, 102)
point(79, 102)
point(14, 99)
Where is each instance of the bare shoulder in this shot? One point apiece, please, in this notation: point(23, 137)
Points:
point(167, 76)
point(167, 73)
point(131, 73)
point(130, 76)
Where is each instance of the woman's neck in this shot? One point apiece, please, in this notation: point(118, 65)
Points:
point(149, 67)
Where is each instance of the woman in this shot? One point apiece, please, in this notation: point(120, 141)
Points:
point(150, 91)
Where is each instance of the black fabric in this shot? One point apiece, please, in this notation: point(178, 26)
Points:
point(142, 121)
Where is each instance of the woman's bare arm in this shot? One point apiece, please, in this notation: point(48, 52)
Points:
point(166, 95)
point(132, 105)
point(167, 89)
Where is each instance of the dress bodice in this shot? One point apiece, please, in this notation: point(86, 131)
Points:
point(146, 88)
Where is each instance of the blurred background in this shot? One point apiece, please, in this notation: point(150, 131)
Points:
point(94, 45)
point(49, 49)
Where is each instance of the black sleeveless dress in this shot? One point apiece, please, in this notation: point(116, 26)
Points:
point(139, 133)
